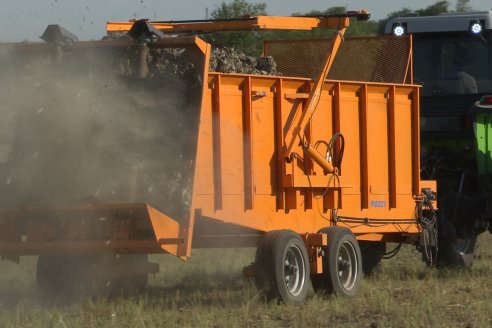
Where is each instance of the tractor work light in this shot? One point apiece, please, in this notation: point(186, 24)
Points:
point(475, 27)
point(399, 29)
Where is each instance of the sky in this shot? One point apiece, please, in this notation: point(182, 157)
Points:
point(26, 19)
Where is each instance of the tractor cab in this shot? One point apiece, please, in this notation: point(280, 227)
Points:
point(452, 56)
point(452, 61)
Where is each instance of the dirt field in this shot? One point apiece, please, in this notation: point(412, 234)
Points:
point(210, 291)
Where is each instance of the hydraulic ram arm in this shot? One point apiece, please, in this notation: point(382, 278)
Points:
point(315, 94)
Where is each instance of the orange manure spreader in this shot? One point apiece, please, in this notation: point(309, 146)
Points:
point(114, 149)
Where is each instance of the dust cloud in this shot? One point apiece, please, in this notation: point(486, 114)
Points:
point(87, 130)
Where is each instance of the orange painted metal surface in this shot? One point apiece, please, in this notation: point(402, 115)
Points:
point(254, 169)
point(250, 23)
point(379, 176)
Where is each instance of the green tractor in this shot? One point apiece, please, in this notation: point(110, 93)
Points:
point(452, 56)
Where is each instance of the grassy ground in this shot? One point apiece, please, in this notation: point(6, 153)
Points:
point(209, 291)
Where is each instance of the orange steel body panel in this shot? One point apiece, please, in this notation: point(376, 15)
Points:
point(242, 176)
point(251, 170)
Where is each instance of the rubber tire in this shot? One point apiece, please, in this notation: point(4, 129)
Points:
point(50, 276)
point(457, 252)
point(372, 252)
point(270, 266)
point(263, 264)
point(329, 281)
point(65, 277)
point(131, 284)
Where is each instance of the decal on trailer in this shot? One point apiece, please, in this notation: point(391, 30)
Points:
point(378, 203)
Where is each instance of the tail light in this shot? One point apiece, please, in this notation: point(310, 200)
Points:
point(486, 100)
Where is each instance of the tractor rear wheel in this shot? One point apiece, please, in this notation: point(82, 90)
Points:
point(456, 252)
point(136, 279)
point(50, 272)
point(66, 276)
point(283, 266)
point(75, 277)
point(342, 264)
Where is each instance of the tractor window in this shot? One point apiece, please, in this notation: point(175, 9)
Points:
point(452, 65)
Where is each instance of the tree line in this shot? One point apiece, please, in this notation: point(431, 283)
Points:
point(251, 43)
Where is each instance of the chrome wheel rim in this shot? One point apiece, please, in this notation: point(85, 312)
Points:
point(347, 265)
point(294, 270)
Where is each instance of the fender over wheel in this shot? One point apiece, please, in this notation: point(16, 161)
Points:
point(342, 264)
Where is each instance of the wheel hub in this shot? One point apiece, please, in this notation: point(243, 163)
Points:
point(344, 265)
point(290, 269)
